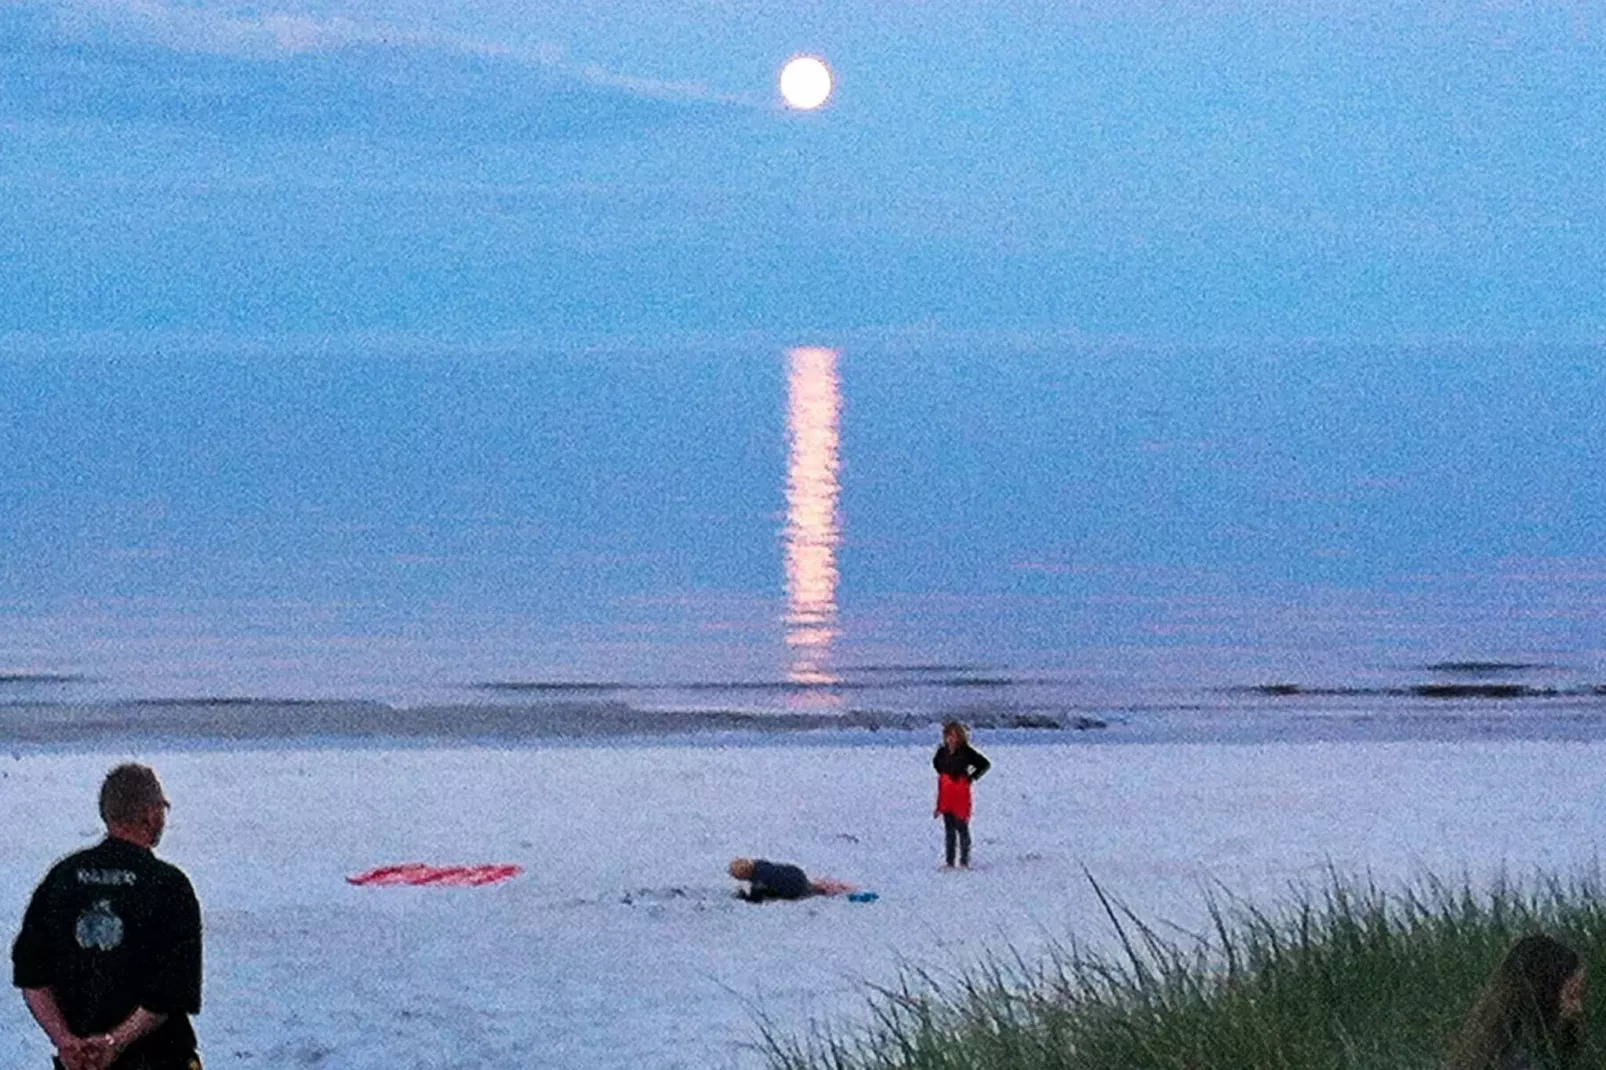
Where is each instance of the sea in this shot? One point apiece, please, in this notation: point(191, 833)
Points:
point(1033, 531)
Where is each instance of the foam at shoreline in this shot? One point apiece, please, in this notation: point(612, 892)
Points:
point(1265, 715)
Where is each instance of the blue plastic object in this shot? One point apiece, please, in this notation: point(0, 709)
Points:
point(862, 897)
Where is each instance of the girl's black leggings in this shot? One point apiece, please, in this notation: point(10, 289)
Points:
point(956, 831)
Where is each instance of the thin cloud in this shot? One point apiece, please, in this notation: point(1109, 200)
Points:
point(286, 34)
point(283, 74)
point(266, 36)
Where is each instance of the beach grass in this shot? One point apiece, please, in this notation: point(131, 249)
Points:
point(1345, 974)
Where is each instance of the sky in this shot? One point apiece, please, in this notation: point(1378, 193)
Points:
point(1191, 169)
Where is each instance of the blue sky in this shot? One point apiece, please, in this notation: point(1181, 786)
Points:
point(1170, 170)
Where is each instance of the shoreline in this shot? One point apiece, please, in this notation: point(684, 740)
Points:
point(205, 724)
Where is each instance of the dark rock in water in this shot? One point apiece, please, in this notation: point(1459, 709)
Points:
point(1479, 691)
point(1278, 689)
point(1047, 720)
point(40, 678)
point(1003, 719)
point(556, 686)
point(1033, 720)
point(1483, 668)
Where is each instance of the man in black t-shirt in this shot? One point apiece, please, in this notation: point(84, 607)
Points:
point(109, 956)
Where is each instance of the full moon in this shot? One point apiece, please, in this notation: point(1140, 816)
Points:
point(805, 82)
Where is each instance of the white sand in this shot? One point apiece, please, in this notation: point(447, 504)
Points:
point(621, 946)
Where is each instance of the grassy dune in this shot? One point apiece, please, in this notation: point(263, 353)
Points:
point(1347, 975)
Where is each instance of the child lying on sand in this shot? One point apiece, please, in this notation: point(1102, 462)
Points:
point(778, 880)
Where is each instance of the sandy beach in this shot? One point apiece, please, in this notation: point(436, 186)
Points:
point(621, 945)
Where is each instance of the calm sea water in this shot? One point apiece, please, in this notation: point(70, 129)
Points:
point(923, 523)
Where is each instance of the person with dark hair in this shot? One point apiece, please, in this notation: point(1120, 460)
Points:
point(1529, 1015)
point(780, 880)
point(958, 765)
point(109, 955)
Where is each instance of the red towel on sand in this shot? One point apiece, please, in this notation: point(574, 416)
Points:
point(419, 873)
